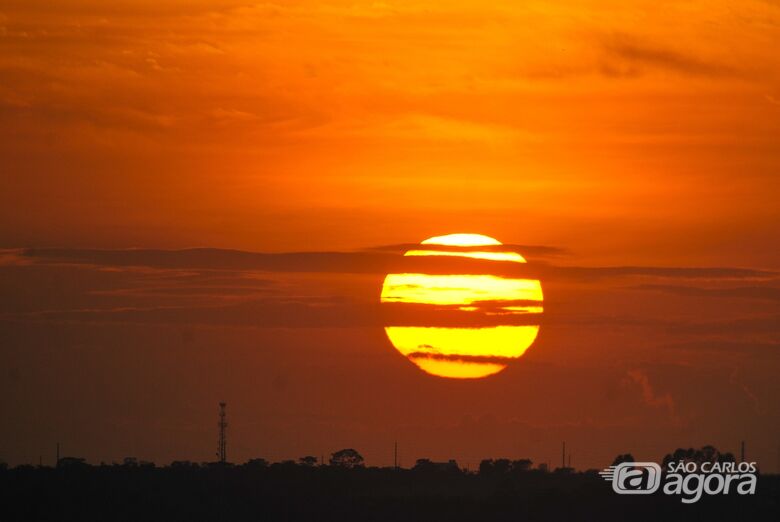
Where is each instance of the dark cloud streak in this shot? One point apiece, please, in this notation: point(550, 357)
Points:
point(766, 293)
point(638, 53)
point(364, 262)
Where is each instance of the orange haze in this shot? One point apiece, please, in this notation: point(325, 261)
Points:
point(630, 151)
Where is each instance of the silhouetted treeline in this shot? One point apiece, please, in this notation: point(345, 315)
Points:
point(346, 489)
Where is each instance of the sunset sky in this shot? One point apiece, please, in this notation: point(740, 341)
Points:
point(630, 151)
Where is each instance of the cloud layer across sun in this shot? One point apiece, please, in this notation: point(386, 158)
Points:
point(143, 340)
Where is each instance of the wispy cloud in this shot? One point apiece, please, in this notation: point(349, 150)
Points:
point(299, 289)
point(630, 55)
point(651, 397)
point(372, 261)
point(768, 293)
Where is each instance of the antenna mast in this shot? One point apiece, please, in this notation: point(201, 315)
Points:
point(222, 447)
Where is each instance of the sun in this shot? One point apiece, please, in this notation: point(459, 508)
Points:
point(478, 313)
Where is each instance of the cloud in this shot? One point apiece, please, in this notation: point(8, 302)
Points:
point(759, 325)
point(746, 349)
point(370, 262)
point(334, 289)
point(629, 55)
point(650, 396)
point(220, 259)
point(767, 293)
point(532, 251)
point(260, 313)
point(752, 398)
point(128, 8)
point(669, 272)
point(414, 314)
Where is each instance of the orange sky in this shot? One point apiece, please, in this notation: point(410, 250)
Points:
point(624, 130)
point(615, 133)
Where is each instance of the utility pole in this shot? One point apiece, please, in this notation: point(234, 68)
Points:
point(57, 464)
point(742, 451)
point(395, 455)
point(563, 455)
point(569, 465)
point(222, 447)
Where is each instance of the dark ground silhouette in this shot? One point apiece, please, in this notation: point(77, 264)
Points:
point(303, 490)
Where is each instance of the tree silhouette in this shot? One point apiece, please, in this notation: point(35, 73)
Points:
point(346, 458)
point(503, 466)
point(257, 463)
point(521, 465)
point(308, 460)
point(186, 464)
point(705, 454)
point(423, 465)
point(289, 490)
point(486, 467)
point(427, 465)
point(726, 457)
point(625, 457)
